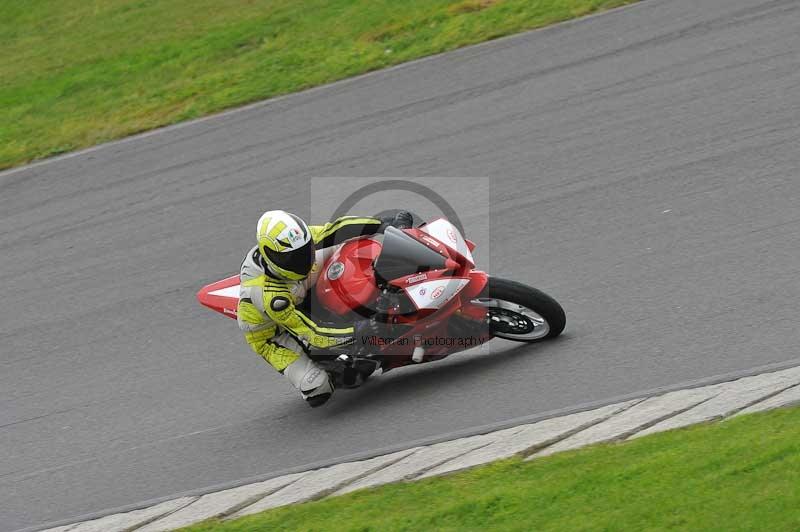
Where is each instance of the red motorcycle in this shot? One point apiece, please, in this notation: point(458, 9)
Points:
point(421, 286)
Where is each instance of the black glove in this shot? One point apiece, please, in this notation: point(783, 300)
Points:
point(401, 220)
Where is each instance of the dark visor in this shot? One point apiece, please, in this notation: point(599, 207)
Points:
point(297, 261)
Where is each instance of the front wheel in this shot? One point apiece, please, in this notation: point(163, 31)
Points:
point(520, 313)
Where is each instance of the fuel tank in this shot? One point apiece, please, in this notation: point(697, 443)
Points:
point(347, 282)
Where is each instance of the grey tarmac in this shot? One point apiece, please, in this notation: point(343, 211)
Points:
point(644, 172)
point(610, 423)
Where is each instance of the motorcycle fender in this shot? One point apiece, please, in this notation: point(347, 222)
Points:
point(477, 282)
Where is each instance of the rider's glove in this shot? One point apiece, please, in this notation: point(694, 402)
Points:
point(403, 220)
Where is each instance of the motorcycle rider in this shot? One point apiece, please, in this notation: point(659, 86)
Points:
point(274, 279)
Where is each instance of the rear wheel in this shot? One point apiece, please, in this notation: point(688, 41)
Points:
point(520, 313)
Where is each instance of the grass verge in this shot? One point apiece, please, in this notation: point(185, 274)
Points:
point(74, 73)
point(741, 474)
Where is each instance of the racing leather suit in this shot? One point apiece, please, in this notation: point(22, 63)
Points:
point(273, 325)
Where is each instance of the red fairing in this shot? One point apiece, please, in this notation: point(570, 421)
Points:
point(347, 281)
point(222, 296)
point(477, 281)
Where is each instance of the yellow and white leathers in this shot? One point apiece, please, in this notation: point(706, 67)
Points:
point(273, 325)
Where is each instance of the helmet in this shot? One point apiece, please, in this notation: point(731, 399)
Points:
point(285, 244)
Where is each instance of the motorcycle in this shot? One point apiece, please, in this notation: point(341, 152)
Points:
point(421, 288)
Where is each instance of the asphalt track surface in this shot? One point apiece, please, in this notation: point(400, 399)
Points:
point(644, 170)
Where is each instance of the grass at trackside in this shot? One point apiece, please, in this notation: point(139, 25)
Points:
point(741, 474)
point(76, 72)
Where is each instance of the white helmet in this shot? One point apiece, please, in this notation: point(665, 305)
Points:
point(285, 244)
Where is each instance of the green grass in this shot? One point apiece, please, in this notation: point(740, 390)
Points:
point(78, 72)
point(742, 474)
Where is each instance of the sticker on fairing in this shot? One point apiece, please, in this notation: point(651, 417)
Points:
point(335, 271)
point(447, 233)
point(434, 294)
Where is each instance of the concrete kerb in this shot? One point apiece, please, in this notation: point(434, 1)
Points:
point(133, 520)
point(733, 397)
point(785, 398)
point(423, 460)
point(619, 421)
point(318, 484)
point(220, 504)
point(531, 438)
point(637, 418)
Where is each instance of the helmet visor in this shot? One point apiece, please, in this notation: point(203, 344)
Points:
point(298, 261)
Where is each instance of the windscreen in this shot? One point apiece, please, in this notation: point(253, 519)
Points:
point(402, 254)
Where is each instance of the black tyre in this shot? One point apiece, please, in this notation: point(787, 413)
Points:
point(521, 313)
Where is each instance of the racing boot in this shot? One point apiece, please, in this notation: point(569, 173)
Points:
point(312, 381)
